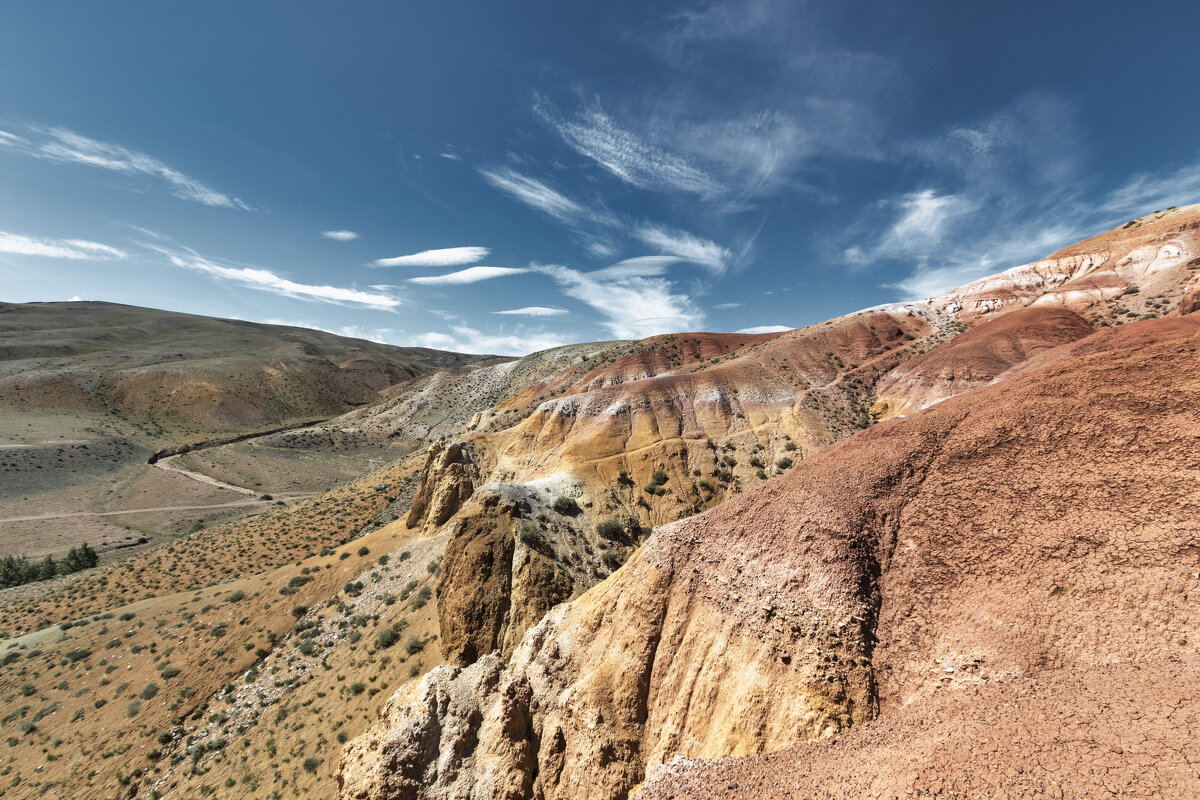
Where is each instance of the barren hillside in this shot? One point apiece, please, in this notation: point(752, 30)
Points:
point(896, 570)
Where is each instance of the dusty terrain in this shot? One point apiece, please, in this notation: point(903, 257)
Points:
point(817, 603)
point(88, 391)
point(833, 572)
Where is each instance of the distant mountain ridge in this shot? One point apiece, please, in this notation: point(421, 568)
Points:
point(186, 373)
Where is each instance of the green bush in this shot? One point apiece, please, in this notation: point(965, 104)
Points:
point(610, 529)
point(659, 477)
point(311, 764)
point(149, 692)
point(611, 559)
point(422, 598)
point(386, 638)
point(413, 646)
point(565, 505)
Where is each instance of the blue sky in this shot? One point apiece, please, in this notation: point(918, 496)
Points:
point(505, 177)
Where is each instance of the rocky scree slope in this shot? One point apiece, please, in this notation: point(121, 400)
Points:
point(1039, 526)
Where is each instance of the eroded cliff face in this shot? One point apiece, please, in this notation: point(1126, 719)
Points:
point(904, 563)
point(447, 481)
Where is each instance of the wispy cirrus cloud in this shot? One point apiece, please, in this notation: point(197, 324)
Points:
point(378, 335)
point(67, 147)
point(465, 339)
point(73, 249)
point(534, 194)
point(637, 267)
point(631, 307)
point(267, 281)
point(686, 246)
point(924, 219)
point(1148, 192)
point(444, 257)
point(534, 311)
point(340, 236)
point(594, 134)
point(466, 276)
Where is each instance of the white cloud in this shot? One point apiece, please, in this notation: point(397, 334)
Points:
point(686, 246)
point(534, 311)
point(349, 331)
point(68, 147)
point(534, 193)
point(267, 281)
point(1147, 192)
point(595, 135)
point(340, 236)
point(469, 275)
point(1008, 247)
point(765, 329)
point(632, 307)
point(74, 249)
point(445, 257)
point(451, 156)
point(639, 267)
point(924, 219)
point(463, 339)
point(726, 306)
point(74, 299)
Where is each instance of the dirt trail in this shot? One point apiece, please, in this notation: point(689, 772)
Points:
point(64, 515)
point(165, 464)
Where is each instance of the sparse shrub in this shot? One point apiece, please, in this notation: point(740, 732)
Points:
point(386, 638)
point(357, 688)
point(133, 708)
point(659, 477)
point(310, 764)
point(413, 646)
point(611, 559)
point(364, 551)
point(149, 692)
point(169, 671)
point(565, 505)
point(433, 567)
point(299, 611)
point(236, 597)
point(610, 529)
point(784, 462)
point(422, 598)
